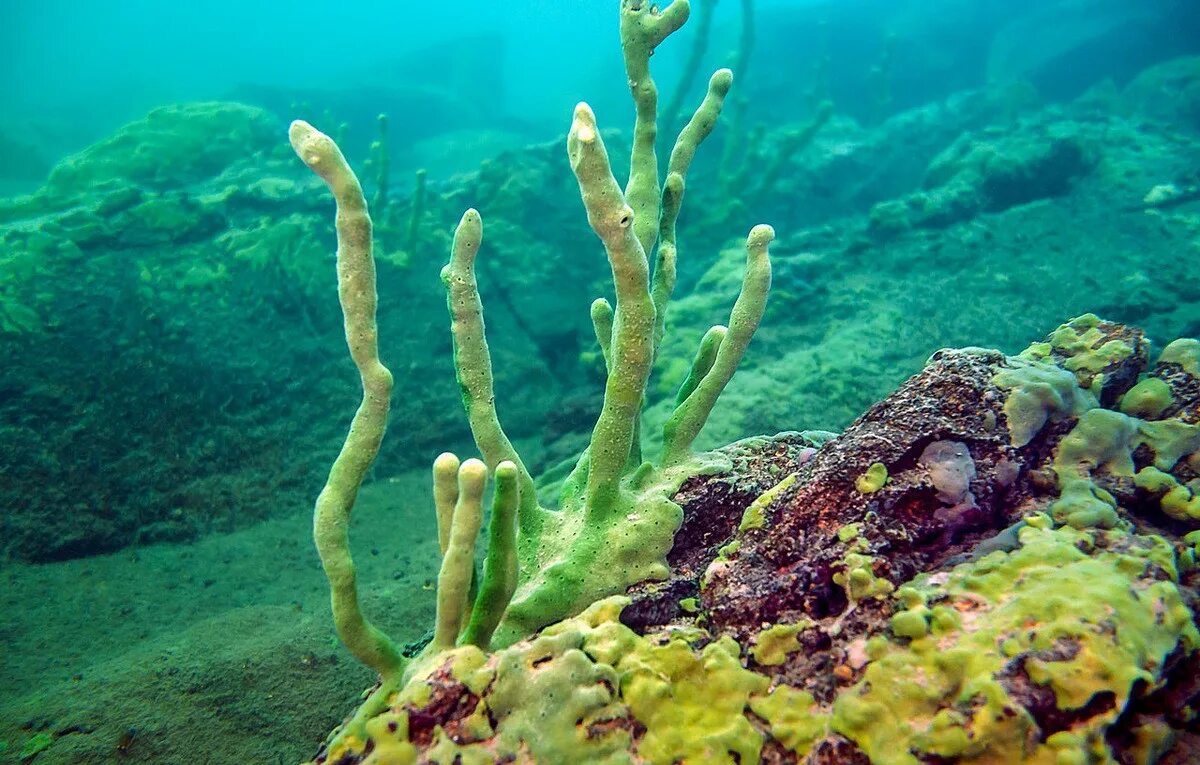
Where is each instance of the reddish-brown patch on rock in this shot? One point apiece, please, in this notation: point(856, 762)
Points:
point(712, 509)
point(784, 571)
point(450, 703)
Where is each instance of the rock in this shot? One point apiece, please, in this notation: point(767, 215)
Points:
point(1169, 92)
point(989, 172)
point(941, 611)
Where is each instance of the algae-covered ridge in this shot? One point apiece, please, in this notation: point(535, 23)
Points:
point(579, 690)
point(1024, 655)
point(530, 659)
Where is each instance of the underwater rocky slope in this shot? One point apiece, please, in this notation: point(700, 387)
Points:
point(999, 562)
point(996, 561)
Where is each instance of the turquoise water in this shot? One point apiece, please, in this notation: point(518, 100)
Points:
point(173, 373)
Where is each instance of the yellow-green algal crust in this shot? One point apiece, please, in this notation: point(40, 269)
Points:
point(692, 704)
point(1148, 399)
point(1101, 440)
point(1189, 556)
point(754, 517)
point(849, 532)
point(912, 623)
point(1170, 440)
point(1078, 611)
point(547, 696)
point(1038, 392)
point(772, 645)
point(794, 717)
point(1104, 440)
point(857, 576)
point(1185, 352)
point(1177, 500)
point(1083, 341)
point(573, 694)
point(872, 479)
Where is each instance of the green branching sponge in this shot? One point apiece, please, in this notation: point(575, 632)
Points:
point(458, 488)
point(615, 520)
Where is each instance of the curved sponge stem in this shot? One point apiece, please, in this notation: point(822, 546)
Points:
point(632, 351)
point(473, 361)
point(458, 564)
point(684, 425)
point(356, 291)
point(500, 568)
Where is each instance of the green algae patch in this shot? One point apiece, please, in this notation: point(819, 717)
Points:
point(772, 645)
point(35, 746)
point(570, 694)
point(873, 479)
point(1170, 440)
point(858, 577)
point(1080, 339)
point(692, 705)
point(1185, 352)
point(1189, 556)
point(912, 623)
point(1038, 392)
point(849, 532)
point(755, 515)
point(1177, 500)
point(1104, 440)
point(1101, 440)
point(1148, 399)
point(1076, 611)
point(793, 717)
point(544, 692)
point(469, 667)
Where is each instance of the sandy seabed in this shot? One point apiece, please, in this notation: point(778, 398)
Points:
point(220, 651)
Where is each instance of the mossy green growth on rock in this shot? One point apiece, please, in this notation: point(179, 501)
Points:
point(1185, 352)
point(1038, 392)
point(553, 699)
point(1177, 500)
point(857, 576)
point(1081, 340)
point(872, 479)
point(794, 717)
point(170, 148)
point(1079, 612)
point(772, 645)
point(1189, 557)
point(753, 517)
point(35, 746)
point(1101, 440)
point(1149, 398)
point(19, 313)
point(1104, 441)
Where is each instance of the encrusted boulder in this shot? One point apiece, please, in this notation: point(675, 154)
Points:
point(996, 563)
